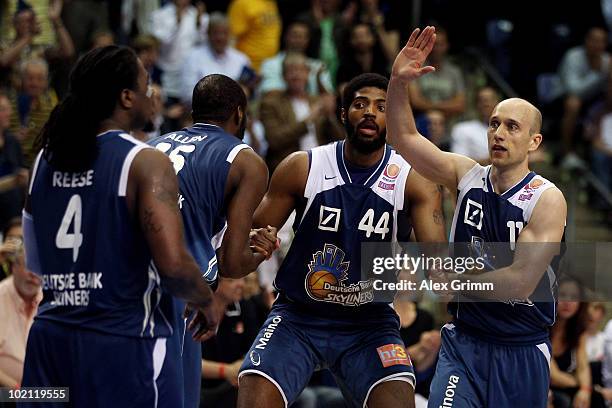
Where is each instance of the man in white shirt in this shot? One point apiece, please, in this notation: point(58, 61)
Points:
point(584, 73)
point(20, 294)
point(178, 26)
point(469, 138)
point(215, 56)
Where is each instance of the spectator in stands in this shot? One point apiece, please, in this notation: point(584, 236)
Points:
point(598, 129)
point(420, 339)
point(294, 120)
point(135, 16)
point(102, 38)
point(443, 89)
point(45, 35)
point(593, 334)
point(570, 375)
point(223, 354)
point(147, 49)
point(436, 128)
point(24, 46)
point(369, 13)
point(297, 38)
point(215, 56)
point(362, 53)
point(256, 25)
point(13, 172)
point(583, 71)
point(19, 297)
point(178, 26)
point(328, 28)
point(84, 18)
point(11, 240)
point(606, 369)
point(469, 138)
point(31, 105)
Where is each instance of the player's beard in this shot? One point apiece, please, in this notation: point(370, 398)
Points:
point(361, 145)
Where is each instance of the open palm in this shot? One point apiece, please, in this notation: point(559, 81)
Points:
point(409, 62)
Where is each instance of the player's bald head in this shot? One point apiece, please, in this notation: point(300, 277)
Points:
point(524, 109)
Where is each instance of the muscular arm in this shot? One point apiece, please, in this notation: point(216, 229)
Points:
point(536, 246)
point(153, 196)
point(286, 189)
point(425, 200)
point(246, 185)
point(426, 158)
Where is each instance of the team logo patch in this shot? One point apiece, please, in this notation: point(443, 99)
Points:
point(329, 218)
point(393, 354)
point(535, 184)
point(327, 276)
point(473, 214)
point(391, 171)
point(255, 358)
point(386, 186)
point(525, 197)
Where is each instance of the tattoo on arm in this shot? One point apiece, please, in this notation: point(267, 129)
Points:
point(149, 224)
point(438, 216)
point(167, 190)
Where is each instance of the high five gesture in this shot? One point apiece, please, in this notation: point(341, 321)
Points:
point(409, 62)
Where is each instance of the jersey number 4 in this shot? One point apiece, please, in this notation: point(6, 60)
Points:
point(367, 224)
point(72, 215)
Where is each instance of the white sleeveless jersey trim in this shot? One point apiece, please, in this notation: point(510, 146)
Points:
point(108, 131)
point(398, 193)
point(393, 189)
point(531, 196)
point(127, 162)
point(234, 152)
point(524, 198)
point(131, 138)
point(473, 178)
point(34, 169)
point(323, 174)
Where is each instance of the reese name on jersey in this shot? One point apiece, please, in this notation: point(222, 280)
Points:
point(72, 180)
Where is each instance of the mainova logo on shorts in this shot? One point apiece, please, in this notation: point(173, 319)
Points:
point(262, 342)
point(449, 394)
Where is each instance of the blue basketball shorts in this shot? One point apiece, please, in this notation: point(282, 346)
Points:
point(360, 352)
point(101, 370)
point(472, 373)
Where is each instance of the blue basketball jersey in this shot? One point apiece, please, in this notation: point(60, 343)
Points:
point(96, 267)
point(202, 156)
point(483, 216)
point(322, 269)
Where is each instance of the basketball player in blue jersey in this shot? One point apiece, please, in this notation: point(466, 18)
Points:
point(494, 354)
point(345, 194)
point(221, 182)
point(103, 230)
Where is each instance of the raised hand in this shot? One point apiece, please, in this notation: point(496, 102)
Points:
point(409, 62)
point(55, 10)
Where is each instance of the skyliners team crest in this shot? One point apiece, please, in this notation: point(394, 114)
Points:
point(326, 280)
